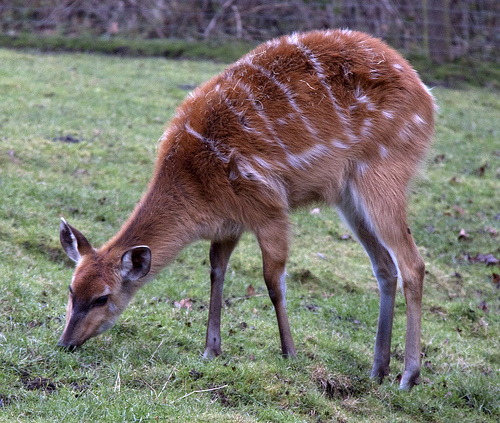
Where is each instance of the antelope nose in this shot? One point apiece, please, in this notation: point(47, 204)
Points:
point(68, 346)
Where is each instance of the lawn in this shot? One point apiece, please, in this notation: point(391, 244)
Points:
point(78, 135)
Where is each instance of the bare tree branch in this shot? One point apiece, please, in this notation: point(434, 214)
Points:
point(213, 21)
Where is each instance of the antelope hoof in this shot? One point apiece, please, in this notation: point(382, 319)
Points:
point(409, 380)
point(211, 353)
point(379, 372)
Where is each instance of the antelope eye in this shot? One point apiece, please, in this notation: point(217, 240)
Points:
point(101, 301)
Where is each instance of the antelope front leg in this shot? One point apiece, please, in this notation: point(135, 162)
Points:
point(219, 258)
point(274, 245)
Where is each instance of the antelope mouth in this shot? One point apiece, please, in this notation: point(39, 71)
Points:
point(67, 347)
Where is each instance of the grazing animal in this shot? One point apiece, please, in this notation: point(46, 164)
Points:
point(335, 117)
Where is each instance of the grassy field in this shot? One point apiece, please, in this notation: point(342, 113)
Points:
point(77, 139)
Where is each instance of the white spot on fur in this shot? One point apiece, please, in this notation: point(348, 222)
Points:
point(305, 158)
point(361, 97)
point(262, 163)
point(249, 172)
point(339, 144)
point(362, 167)
point(212, 145)
point(383, 151)
point(405, 134)
point(272, 43)
point(398, 67)
point(293, 39)
point(418, 119)
point(388, 114)
point(191, 131)
point(366, 128)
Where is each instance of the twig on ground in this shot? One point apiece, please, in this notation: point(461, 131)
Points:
point(200, 391)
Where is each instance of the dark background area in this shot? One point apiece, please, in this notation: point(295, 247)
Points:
point(439, 30)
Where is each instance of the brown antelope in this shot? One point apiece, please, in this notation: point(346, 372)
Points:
point(333, 116)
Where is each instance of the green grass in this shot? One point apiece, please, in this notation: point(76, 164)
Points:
point(170, 48)
point(150, 365)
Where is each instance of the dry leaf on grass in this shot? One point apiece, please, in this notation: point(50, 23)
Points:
point(185, 303)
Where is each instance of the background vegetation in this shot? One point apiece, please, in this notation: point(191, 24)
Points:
point(441, 30)
point(77, 139)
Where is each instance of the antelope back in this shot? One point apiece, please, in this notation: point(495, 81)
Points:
point(299, 116)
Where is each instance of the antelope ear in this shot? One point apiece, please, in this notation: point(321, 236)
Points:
point(73, 241)
point(136, 263)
